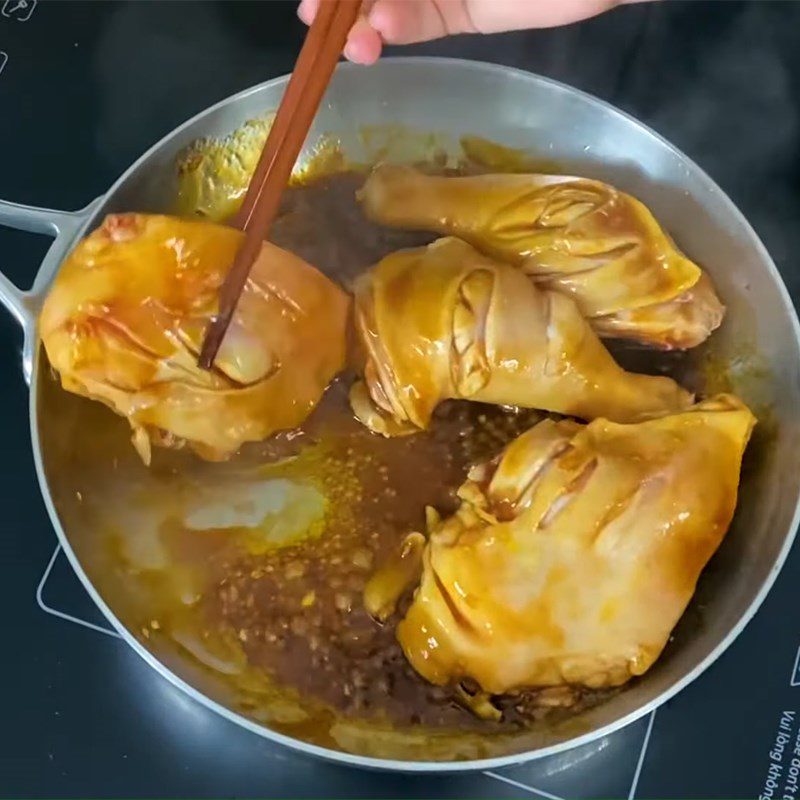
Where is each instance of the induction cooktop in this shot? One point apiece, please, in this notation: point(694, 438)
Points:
point(85, 88)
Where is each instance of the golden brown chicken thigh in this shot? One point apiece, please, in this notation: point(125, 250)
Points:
point(445, 322)
point(124, 321)
point(576, 236)
point(576, 551)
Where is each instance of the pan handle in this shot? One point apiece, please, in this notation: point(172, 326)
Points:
point(64, 227)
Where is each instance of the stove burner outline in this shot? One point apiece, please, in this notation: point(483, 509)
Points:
point(795, 679)
point(63, 615)
point(524, 786)
point(48, 609)
point(3, 59)
point(549, 796)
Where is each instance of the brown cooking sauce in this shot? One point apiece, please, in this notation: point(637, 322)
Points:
point(298, 611)
point(267, 617)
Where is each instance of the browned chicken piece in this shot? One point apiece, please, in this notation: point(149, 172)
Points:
point(124, 321)
point(576, 236)
point(575, 552)
point(445, 322)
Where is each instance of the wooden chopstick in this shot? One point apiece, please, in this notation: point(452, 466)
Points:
point(312, 74)
point(312, 47)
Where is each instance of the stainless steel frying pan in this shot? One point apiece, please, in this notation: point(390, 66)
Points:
point(554, 123)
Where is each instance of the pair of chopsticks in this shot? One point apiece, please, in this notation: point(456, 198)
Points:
point(312, 73)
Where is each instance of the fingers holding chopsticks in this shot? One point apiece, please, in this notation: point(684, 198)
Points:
point(407, 21)
point(383, 22)
point(363, 43)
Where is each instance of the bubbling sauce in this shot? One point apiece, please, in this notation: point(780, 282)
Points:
point(298, 610)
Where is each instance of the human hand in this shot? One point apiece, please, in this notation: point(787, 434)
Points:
point(408, 21)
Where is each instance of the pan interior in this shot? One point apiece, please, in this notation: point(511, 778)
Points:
point(245, 578)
